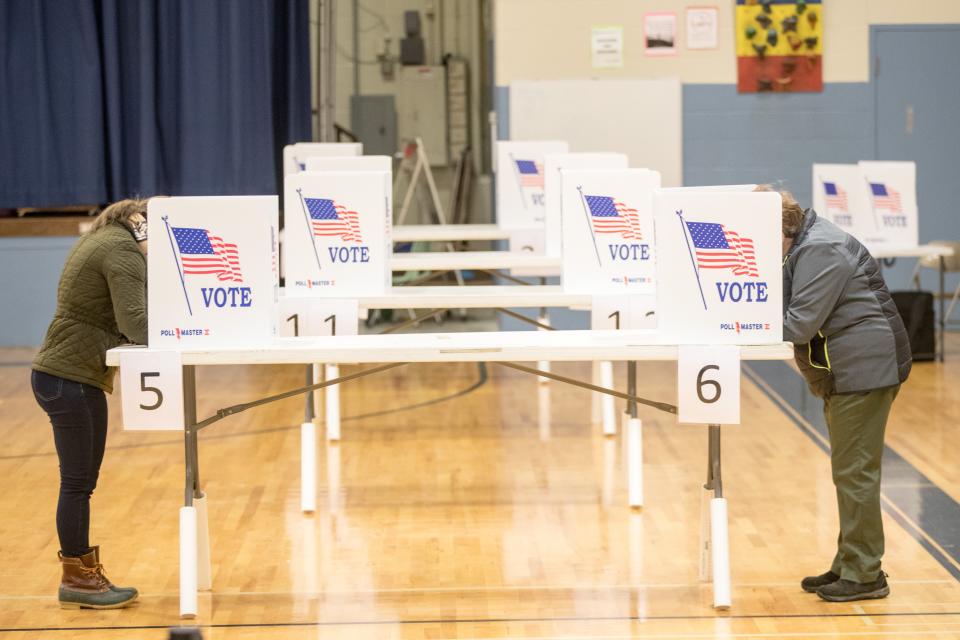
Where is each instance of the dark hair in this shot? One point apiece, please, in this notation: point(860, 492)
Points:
point(791, 219)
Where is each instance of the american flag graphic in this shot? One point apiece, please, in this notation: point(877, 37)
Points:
point(885, 197)
point(720, 248)
point(204, 254)
point(836, 196)
point(530, 173)
point(611, 216)
point(330, 219)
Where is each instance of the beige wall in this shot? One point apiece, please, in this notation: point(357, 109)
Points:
point(549, 39)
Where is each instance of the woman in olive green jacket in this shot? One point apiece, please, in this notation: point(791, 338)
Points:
point(101, 303)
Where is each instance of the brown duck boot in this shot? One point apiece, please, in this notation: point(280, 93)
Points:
point(99, 566)
point(83, 586)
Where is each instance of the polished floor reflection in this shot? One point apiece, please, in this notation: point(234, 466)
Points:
point(458, 506)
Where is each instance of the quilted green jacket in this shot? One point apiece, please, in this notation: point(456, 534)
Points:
point(101, 303)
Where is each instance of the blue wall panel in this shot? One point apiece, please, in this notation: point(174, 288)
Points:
point(29, 273)
point(733, 138)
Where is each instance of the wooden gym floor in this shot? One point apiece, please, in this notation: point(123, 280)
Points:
point(476, 517)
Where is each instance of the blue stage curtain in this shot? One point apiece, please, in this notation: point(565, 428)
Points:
point(106, 99)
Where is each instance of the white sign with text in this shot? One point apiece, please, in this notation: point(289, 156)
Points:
point(608, 233)
point(891, 195)
point(552, 190)
point(337, 233)
point(708, 384)
point(838, 196)
point(719, 259)
point(151, 389)
point(302, 316)
point(520, 182)
point(623, 312)
point(212, 271)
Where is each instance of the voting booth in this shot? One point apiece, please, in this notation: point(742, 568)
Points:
point(295, 155)
point(337, 233)
point(876, 202)
point(349, 163)
point(607, 231)
point(212, 271)
point(520, 182)
point(553, 164)
point(718, 267)
point(891, 189)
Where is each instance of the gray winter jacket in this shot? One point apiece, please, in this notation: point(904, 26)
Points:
point(847, 334)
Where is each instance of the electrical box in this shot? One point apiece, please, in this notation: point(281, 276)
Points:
point(422, 110)
point(373, 118)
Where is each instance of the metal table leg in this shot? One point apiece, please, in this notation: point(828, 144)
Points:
point(943, 318)
point(194, 534)
point(308, 452)
point(634, 442)
point(719, 533)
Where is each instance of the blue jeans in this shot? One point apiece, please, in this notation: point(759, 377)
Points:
point(78, 413)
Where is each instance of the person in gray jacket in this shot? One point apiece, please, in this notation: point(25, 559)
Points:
point(851, 346)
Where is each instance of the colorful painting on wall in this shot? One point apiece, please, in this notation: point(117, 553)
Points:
point(779, 46)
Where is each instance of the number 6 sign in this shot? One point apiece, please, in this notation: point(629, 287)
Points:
point(151, 384)
point(708, 383)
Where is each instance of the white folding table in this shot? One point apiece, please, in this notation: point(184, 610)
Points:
point(447, 232)
point(924, 251)
point(389, 351)
point(471, 260)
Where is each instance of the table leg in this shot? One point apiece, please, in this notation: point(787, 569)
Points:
point(333, 403)
point(634, 442)
point(719, 533)
point(608, 407)
point(543, 318)
point(943, 318)
point(194, 543)
point(308, 453)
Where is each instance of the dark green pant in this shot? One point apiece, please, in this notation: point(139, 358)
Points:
point(856, 423)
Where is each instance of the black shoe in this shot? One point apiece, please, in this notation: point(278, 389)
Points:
point(810, 584)
point(848, 590)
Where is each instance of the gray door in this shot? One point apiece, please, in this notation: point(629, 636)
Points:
point(916, 72)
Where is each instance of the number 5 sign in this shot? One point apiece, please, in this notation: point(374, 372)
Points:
point(151, 383)
point(708, 383)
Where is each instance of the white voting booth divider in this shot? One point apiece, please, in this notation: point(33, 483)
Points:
point(337, 233)
point(520, 182)
point(553, 164)
point(349, 163)
point(876, 202)
point(838, 195)
point(891, 189)
point(212, 276)
point(295, 155)
point(719, 267)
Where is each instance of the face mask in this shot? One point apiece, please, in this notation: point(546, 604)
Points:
point(138, 225)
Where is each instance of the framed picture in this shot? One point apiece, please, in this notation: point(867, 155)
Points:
point(660, 34)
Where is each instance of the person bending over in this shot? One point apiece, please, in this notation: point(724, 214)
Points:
point(852, 348)
point(101, 303)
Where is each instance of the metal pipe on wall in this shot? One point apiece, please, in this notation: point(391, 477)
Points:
point(356, 47)
point(326, 69)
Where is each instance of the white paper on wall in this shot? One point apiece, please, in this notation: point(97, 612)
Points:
point(719, 275)
point(891, 195)
point(839, 196)
point(295, 155)
point(520, 182)
point(337, 233)
point(607, 230)
point(552, 164)
point(212, 277)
